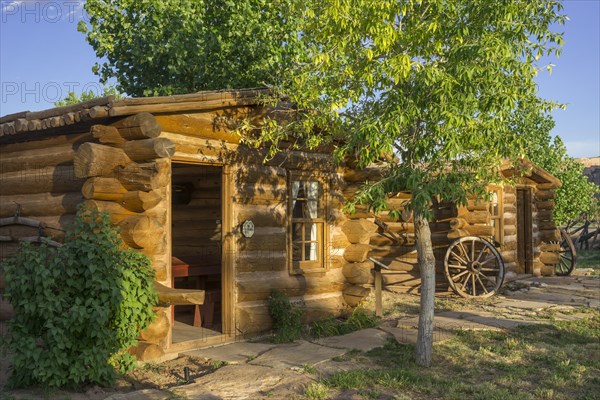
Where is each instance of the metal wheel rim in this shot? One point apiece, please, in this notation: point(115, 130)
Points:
point(567, 255)
point(473, 267)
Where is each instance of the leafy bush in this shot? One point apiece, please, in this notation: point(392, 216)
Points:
point(359, 319)
point(77, 307)
point(287, 318)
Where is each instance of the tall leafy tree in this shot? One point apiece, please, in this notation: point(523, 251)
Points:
point(433, 89)
point(430, 87)
point(163, 47)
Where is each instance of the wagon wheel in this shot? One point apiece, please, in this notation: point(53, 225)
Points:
point(567, 255)
point(473, 267)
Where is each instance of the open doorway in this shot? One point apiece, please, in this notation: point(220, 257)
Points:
point(197, 244)
point(524, 231)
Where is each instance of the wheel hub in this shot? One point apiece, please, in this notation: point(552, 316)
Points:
point(473, 266)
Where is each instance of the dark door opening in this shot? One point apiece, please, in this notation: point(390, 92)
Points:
point(196, 234)
point(524, 231)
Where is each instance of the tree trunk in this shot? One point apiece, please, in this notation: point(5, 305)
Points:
point(427, 269)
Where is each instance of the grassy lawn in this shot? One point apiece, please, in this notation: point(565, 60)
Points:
point(553, 360)
point(589, 259)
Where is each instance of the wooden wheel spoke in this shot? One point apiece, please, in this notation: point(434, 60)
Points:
point(489, 269)
point(454, 278)
point(473, 284)
point(464, 251)
point(487, 260)
point(458, 257)
point(464, 281)
point(483, 250)
point(473, 250)
point(456, 266)
point(482, 285)
point(488, 278)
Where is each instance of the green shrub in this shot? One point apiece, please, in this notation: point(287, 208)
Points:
point(287, 318)
point(77, 307)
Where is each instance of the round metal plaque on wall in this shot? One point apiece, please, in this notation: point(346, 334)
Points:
point(248, 229)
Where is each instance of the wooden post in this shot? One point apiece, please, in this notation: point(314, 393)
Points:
point(377, 266)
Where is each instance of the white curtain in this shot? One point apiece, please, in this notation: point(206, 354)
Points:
point(311, 190)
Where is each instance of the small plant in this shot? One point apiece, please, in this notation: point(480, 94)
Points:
point(287, 318)
point(309, 369)
point(78, 308)
point(316, 391)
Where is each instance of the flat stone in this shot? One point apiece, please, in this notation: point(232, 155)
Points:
point(296, 355)
point(364, 340)
point(235, 353)
point(525, 304)
point(242, 382)
point(145, 394)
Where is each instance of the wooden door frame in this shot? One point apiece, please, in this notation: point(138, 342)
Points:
point(227, 257)
point(525, 260)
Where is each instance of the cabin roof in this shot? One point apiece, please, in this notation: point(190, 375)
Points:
point(526, 168)
point(107, 107)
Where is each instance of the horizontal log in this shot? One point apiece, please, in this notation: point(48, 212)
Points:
point(36, 158)
point(549, 258)
point(551, 247)
point(401, 278)
point(544, 195)
point(261, 215)
point(358, 273)
point(139, 126)
point(158, 329)
point(509, 256)
point(139, 201)
point(510, 230)
point(117, 213)
point(552, 235)
point(475, 217)
point(141, 232)
point(107, 134)
point(476, 205)
point(93, 159)
point(457, 223)
point(263, 240)
point(354, 294)
point(546, 225)
point(509, 198)
point(252, 286)
point(101, 188)
point(545, 205)
point(356, 252)
point(40, 204)
point(359, 231)
point(149, 149)
point(144, 176)
point(544, 215)
point(479, 230)
point(178, 297)
point(145, 351)
point(265, 260)
point(59, 179)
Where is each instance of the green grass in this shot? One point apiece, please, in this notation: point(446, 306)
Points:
point(557, 360)
point(588, 259)
point(359, 319)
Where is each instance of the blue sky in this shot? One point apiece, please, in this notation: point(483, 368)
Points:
point(43, 57)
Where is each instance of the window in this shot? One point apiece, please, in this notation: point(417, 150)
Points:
point(307, 226)
point(496, 212)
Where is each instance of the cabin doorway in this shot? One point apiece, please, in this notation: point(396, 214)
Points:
point(197, 249)
point(524, 231)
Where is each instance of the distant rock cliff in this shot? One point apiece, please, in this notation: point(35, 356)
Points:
point(592, 168)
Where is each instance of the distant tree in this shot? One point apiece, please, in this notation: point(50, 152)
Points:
point(73, 98)
point(576, 196)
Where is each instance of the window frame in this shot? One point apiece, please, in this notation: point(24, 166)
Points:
point(499, 219)
point(322, 263)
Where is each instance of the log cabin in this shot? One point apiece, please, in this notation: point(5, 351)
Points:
point(222, 224)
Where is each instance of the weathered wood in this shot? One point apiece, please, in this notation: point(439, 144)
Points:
point(552, 247)
point(177, 107)
point(552, 235)
point(145, 351)
point(510, 230)
point(457, 223)
point(57, 111)
point(475, 217)
point(107, 134)
point(359, 231)
point(139, 126)
point(476, 205)
point(479, 230)
point(40, 204)
point(358, 273)
point(119, 213)
point(545, 205)
point(13, 117)
point(158, 330)
point(354, 294)
point(139, 201)
point(356, 252)
point(144, 176)
point(509, 198)
point(36, 158)
point(100, 188)
point(546, 225)
point(178, 297)
point(209, 125)
point(544, 195)
point(59, 179)
point(93, 159)
point(549, 258)
point(149, 149)
point(544, 215)
point(141, 232)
